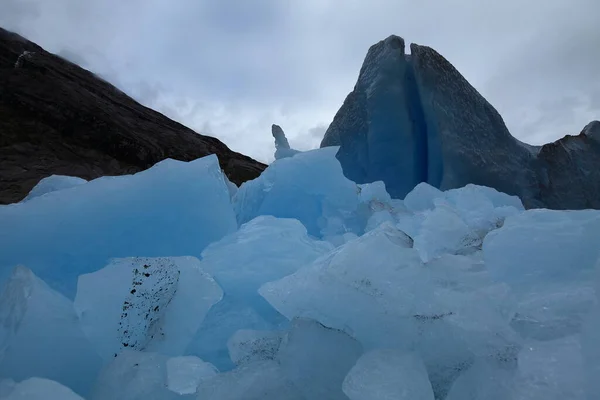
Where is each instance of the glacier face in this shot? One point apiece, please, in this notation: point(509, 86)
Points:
point(414, 118)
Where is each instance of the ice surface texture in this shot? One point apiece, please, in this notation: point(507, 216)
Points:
point(171, 209)
point(414, 118)
point(262, 250)
point(337, 292)
point(52, 184)
point(310, 187)
point(40, 335)
point(154, 304)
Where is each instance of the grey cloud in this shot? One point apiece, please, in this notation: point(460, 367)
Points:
point(241, 66)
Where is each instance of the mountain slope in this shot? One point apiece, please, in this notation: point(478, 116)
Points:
point(57, 118)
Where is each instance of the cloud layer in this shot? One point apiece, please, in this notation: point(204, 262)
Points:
point(231, 68)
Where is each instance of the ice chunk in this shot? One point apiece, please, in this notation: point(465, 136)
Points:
point(421, 197)
point(373, 274)
point(474, 195)
point(134, 375)
point(223, 320)
point(263, 250)
point(317, 358)
point(444, 231)
point(374, 192)
point(172, 209)
point(282, 146)
point(154, 304)
point(551, 370)
point(590, 347)
point(547, 258)
point(553, 310)
point(483, 209)
point(246, 346)
point(232, 187)
point(6, 386)
point(378, 218)
point(40, 335)
point(309, 187)
point(53, 183)
point(255, 381)
point(542, 246)
point(387, 374)
point(185, 373)
point(483, 381)
point(39, 389)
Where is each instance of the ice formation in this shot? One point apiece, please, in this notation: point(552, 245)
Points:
point(282, 146)
point(36, 389)
point(172, 209)
point(41, 337)
point(154, 304)
point(414, 118)
point(321, 289)
point(52, 184)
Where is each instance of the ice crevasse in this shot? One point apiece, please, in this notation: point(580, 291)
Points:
point(300, 284)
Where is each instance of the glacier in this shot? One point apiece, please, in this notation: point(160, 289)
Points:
point(414, 118)
point(301, 284)
point(79, 229)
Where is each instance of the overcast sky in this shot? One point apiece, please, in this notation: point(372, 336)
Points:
point(231, 68)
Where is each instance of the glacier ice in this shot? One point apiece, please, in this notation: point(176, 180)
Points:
point(134, 375)
point(185, 373)
point(38, 389)
point(387, 374)
point(317, 358)
point(154, 304)
point(548, 259)
point(262, 250)
point(329, 289)
point(483, 381)
point(310, 187)
point(422, 197)
point(255, 381)
point(40, 335)
point(53, 183)
point(172, 209)
point(282, 146)
point(247, 346)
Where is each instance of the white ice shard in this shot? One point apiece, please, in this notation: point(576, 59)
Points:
point(154, 304)
point(40, 335)
point(388, 374)
point(53, 183)
point(548, 259)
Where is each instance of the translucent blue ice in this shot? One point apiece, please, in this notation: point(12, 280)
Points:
point(172, 209)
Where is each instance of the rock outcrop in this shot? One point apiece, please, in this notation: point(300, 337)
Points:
point(414, 118)
point(59, 119)
point(570, 170)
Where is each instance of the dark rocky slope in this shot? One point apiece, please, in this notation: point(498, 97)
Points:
point(57, 118)
point(414, 118)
